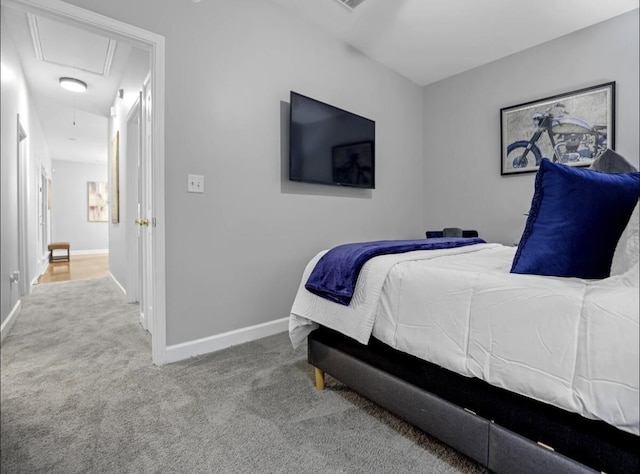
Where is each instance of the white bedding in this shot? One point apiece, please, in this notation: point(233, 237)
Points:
point(568, 342)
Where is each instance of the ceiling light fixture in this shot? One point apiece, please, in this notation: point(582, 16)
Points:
point(72, 84)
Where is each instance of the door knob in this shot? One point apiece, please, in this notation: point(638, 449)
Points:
point(141, 222)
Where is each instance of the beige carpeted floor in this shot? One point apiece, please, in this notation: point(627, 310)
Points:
point(79, 394)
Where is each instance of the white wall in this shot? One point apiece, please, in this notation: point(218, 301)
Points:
point(69, 206)
point(15, 99)
point(235, 254)
point(463, 186)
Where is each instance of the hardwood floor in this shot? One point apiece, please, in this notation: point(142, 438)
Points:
point(80, 267)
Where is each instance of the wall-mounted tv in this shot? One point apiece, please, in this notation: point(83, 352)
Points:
point(328, 145)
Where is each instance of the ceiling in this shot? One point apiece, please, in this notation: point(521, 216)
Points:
point(429, 40)
point(423, 40)
point(75, 125)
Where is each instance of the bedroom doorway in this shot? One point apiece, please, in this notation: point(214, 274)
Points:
point(153, 259)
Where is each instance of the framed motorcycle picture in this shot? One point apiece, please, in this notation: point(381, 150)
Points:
point(572, 128)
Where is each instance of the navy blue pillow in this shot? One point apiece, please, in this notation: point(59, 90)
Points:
point(577, 216)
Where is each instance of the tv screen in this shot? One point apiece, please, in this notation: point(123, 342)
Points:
point(328, 145)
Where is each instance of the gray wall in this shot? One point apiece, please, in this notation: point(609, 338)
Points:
point(69, 212)
point(463, 186)
point(15, 99)
point(235, 254)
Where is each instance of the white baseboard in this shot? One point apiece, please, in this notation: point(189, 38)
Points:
point(124, 292)
point(88, 252)
point(5, 328)
point(184, 350)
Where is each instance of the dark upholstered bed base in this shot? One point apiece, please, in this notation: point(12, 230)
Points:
point(497, 428)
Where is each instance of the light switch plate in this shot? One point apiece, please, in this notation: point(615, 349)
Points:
point(195, 183)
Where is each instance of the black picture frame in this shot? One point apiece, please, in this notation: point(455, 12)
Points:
point(572, 128)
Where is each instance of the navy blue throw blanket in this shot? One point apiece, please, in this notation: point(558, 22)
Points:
point(334, 276)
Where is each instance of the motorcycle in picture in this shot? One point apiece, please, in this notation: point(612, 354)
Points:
point(572, 139)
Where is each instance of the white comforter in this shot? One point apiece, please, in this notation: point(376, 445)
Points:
point(568, 342)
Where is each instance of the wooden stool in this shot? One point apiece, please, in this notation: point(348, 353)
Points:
point(58, 246)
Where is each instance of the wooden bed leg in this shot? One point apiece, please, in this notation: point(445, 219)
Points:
point(319, 379)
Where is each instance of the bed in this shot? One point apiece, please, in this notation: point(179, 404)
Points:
point(520, 370)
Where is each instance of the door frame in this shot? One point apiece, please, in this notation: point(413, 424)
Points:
point(153, 43)
point(43, 219)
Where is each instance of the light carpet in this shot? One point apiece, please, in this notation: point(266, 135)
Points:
point(80, 394)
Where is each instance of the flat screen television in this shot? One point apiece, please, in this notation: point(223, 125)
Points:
point(328, 145)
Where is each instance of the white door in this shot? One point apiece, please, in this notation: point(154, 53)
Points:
point(147, 222)
point(134, 157)
point(139, 181)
